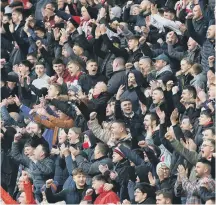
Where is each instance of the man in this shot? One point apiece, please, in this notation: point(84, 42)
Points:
point(100, 158)
point(124, 112)
point(88, 81)
point(203, 175)
point(193, 52)
point(164, 197)
point(104, 197)
point(74, 194)
point(118, 77)
point(162, 66)
point(24, 68)
point(40, 165)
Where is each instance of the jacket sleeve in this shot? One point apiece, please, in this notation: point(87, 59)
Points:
point(205, 194)
point(190, 156)
point(45, 169)
point(45, 122)
point(97, 48)
point(118, 111)
point(25, 110)
point(178, 105)
point(6, 197)
point(29, 193)
point(101, 134)
point(17, 156)
point(131, 155)
point(163, 140)
point(53, 198)
point(175, 54)
point(8, 120)
point(61, 123)
point(70, 164)
point(193, 34)
point(178, 132)
point(152, 158)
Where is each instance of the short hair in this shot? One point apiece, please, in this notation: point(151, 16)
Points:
point(57, 61)
point(112, 99)
point(154, 117)
point(125, 99)
point(91, 61)
point(120, 122)
point(192, 90)
point(146, 58)
point(26, 63)
point(39, 63)
point(188, 61)
point(159, 89)
point(212, 141)
point(210, 128)
point(120, 60)
point(75, 63)
point(77, 171)
point(32, 54)
point(18, 10)
point(45, 149)
point(197, 68)
point(207, 113)
point(104, 149)
point(99, 177)
point(166, 193)
point(206, 162)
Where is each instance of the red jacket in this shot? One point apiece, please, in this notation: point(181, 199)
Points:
point(105, 197)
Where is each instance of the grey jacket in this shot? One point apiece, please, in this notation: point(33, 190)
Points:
point(39, 171)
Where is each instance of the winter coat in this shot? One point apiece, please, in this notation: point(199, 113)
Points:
point(40, 172)
point(118, 78)
point(199, 81)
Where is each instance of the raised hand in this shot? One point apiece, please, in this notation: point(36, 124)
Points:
point(11, 26)
point(17, 101)
point(120, 92)
point(152, 179)
point(174, 116)
point(93, 115)
point(142, 143)
point(160, 114)
point(49, 182)
point(103, 168)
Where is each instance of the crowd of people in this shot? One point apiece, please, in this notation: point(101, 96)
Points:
point(108, 102)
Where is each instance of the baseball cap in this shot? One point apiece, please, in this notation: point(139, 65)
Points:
point(163, 57)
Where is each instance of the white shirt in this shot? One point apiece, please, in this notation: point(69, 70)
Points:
point(41, 82)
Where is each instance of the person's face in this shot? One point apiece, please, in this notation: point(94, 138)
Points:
point(185, 66)
point(11, 85)
point(38, 152)
point(39, 70)
point(77, 50)
point(210, 201)
point(169, 15)
point(96, 185)
point(166, 171)
point(147, 121)
point(199, 169)
point(22, 198)
point(28, 151)
point(116, 157)
point(80, 180)
point(49, 9)
point(61, 4)
point(39, 33)
point(185, 95)
point(206, 149)
point(126, 107)
point(132, 44)
point(116, 129)
point(5, 19)
point(85, 14)
point(31, 59)
point(23, 69)
point(15, 17)
point(157, 96)
point(160, 199)
point(197, 13)
point(57, 19)
point(144, 66)
point(191, 44)
point(96, 151)
point(135, 11)
point(73, 69)
point(72, 136)
point(109, 110)
point(20, 184)
point(35, 129)
point(208, 134)
point(159, 64)
point(59, 69)
point(131, 78)
point(62, 137)
point(185, 124)
point(203, 119)
point(92, 68)
point(139, 196)
point(211, 92)
point(52, 91)
point(70, 27)
point(98, 88)
point(211, 32)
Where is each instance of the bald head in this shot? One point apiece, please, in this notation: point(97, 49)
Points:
point(118, 64)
